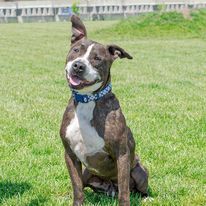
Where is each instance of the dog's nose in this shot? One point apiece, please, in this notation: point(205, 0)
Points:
point(78, 67)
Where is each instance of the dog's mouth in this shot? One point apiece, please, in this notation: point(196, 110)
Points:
point(77, 82)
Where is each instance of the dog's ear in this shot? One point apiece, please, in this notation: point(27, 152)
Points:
point(78, 29)
point(117, 51)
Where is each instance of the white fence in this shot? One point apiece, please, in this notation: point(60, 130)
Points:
point(60, 10)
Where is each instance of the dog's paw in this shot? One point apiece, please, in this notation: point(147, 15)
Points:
point(112, 191)
point(148, 199)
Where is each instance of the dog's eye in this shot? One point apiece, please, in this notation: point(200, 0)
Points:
point(76, 50)
point(97, 58)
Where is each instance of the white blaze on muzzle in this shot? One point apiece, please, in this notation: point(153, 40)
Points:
point(90, 73)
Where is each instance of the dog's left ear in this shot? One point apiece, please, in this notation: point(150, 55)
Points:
point(78, 29)
point(117, 51)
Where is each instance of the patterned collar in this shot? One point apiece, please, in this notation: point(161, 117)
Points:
point(84, 98)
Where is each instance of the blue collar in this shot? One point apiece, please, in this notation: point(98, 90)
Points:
point(84, 98)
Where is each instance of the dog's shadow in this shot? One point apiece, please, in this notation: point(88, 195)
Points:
point(9, 189)
point(99, 199)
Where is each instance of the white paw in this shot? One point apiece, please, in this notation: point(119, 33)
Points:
point(148, 199)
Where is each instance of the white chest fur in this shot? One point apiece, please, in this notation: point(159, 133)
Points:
point(84, 139)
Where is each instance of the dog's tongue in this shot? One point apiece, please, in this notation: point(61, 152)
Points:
point(74, 80)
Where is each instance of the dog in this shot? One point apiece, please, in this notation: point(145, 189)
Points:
point(99, 146)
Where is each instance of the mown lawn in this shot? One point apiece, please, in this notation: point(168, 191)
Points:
point(162, 92)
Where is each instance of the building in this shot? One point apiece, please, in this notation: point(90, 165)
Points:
point(60, 10)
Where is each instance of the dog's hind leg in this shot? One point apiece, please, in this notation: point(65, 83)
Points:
point(140, 176)
point(99, 185)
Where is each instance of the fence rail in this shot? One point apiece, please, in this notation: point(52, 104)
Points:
point(60, 10)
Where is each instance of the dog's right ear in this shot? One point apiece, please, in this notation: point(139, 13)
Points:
point(78, 29)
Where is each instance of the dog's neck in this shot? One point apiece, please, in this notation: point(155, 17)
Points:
point(85, 98)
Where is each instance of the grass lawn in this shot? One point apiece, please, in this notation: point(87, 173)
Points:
point(162, 92)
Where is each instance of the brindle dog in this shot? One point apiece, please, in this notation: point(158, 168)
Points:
point(94, 133)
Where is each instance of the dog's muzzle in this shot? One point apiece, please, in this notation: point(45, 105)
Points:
point(78, 68)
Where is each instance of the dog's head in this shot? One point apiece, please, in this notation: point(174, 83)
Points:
point(88, 63)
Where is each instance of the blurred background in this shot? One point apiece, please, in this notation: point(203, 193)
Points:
point(60, 10)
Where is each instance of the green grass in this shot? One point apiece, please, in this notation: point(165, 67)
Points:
point(162, 24)
point(162, 92)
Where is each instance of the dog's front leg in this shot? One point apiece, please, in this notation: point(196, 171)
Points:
point(75, 170)
point(123, 166)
